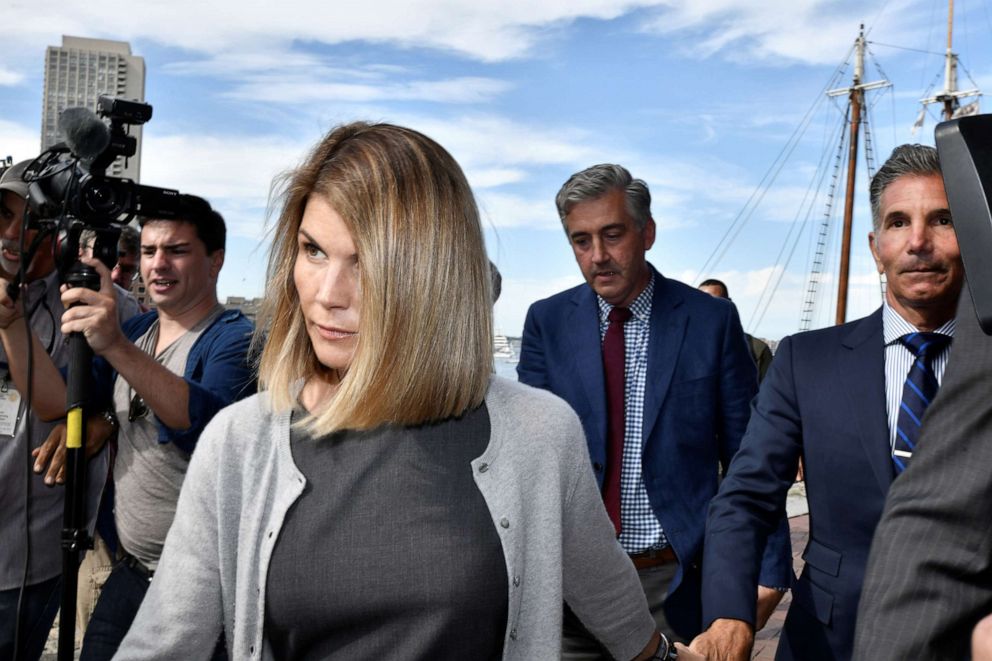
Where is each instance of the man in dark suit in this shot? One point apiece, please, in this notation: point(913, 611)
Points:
point(662, 391)
point(847, 400)
point(929, 577)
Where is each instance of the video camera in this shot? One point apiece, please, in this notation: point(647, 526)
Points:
point(965, 149)
point(69, 191)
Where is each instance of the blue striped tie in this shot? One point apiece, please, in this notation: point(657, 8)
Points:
point(919, 391)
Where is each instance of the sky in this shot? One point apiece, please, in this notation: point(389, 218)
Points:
point(718, 105)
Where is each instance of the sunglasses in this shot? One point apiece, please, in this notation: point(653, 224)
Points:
point(138, 408)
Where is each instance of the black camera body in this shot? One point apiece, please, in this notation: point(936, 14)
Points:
point(69, 191)
point(965, 148)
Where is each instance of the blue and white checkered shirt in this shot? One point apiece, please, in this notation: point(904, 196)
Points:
point(639, 528)
point(899, 359)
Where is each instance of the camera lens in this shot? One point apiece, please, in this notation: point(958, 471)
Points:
point(103, 200)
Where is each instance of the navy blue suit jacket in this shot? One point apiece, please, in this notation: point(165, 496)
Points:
point(700, 381)
point(823, 399)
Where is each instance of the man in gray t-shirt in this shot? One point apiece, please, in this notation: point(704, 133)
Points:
point(151, 473)
point(167, 372)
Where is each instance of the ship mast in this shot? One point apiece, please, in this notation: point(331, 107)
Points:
point(950, 97)
point(856, 97)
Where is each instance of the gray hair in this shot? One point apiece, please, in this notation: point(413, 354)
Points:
point(598, 180)
point(906, 160)
point(129, 242)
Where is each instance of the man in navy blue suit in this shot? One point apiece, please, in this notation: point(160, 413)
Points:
point(684, 383)
point(844, 399)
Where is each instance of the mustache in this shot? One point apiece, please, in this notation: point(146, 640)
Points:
point(933, 267)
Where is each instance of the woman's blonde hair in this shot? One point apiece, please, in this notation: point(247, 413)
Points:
point(424, 350)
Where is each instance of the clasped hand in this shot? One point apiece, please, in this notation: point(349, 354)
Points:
point(93, 313)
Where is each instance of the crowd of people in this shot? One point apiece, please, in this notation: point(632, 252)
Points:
point(383, 497)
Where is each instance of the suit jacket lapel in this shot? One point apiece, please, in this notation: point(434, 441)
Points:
point(865, 365)
point(668, 322)
point(587, 349)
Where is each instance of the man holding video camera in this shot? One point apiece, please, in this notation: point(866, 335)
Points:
point(175, 368)
point(33, 560)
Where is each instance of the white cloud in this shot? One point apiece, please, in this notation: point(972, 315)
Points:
point(18, 141)
point(485, 30)
point(504, 210)
point(234, 172)
point(777, 31)
point(482, 30)
point(518, 294)
point(293, 77)
point(308, 87)
point(780, 313)
point(9, 77)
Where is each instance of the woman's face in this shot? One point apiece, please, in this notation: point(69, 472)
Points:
point(326, 277)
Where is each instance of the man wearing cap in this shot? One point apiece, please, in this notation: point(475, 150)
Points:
point(31, 504)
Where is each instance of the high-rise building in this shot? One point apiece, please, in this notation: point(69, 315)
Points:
point(81, 70)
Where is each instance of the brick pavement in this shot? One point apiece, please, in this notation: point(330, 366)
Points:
point(766, 640)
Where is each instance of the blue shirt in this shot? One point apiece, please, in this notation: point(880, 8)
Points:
point(218, 372)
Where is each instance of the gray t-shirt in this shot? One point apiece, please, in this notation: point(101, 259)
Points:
point(148, 475)
point(43, 305)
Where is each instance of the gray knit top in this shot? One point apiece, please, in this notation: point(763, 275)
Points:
point(535, 477)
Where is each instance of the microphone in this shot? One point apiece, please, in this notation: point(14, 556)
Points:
point(85, 133)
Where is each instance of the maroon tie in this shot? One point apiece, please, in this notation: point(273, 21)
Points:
point(613, 368)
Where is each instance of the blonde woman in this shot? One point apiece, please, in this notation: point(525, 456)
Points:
point(385, 496)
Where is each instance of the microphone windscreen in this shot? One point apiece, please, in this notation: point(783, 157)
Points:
point(85, 133)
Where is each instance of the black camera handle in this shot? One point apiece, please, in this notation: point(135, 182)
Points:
point(75, 534)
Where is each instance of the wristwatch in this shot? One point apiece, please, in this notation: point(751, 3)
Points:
point(666, 650)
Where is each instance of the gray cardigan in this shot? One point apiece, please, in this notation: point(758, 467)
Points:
point(535, 478)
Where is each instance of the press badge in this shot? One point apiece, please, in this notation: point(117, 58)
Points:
point(10, 405)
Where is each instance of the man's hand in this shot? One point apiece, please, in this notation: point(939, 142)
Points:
point(768, 599)
point(51, 453)
point(9, 310)
point(686, 654)
point(96, 317)
point(725, 640)
point(981, 640)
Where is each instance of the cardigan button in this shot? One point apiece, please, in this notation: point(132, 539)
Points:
point(598, 467)
point(505, 522)
point(513, 634)
point(516, 581)
point(483, 468)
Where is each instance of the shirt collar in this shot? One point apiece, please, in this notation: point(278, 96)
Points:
point(640, 308)
point(894, 326)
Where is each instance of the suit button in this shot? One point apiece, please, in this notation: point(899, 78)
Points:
point(598, 467)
